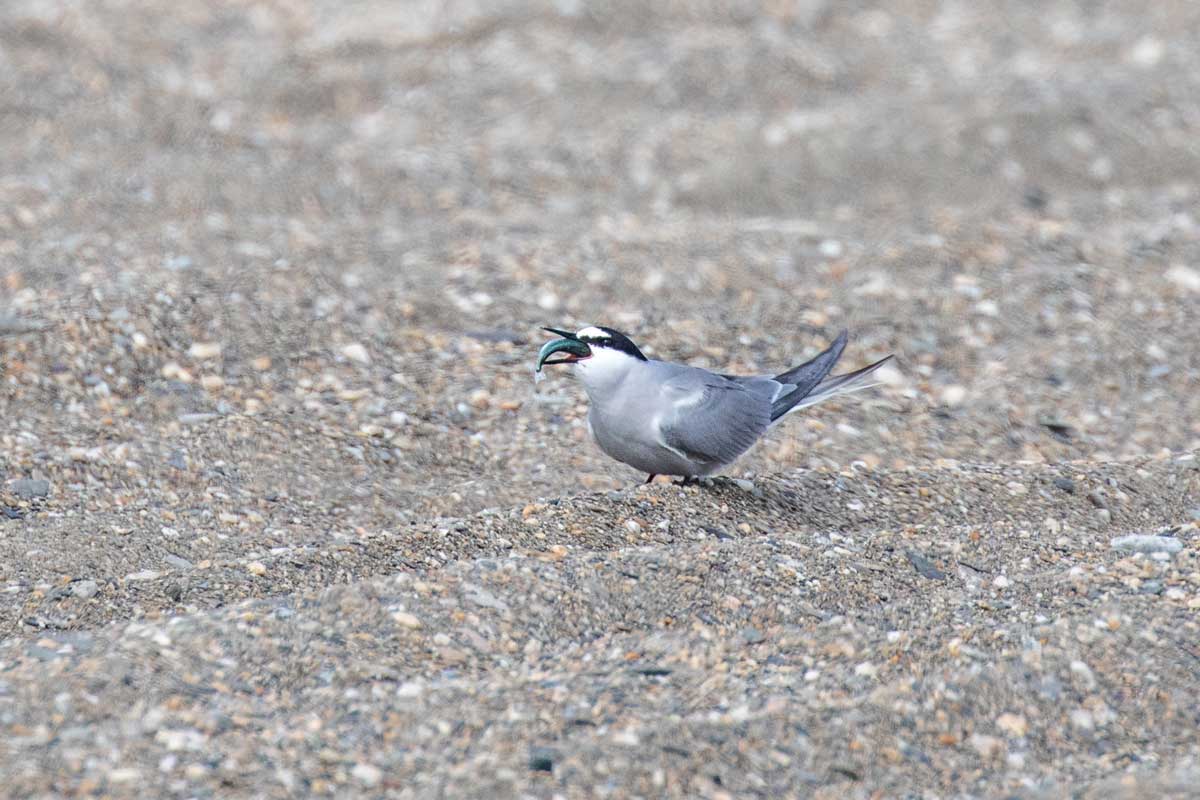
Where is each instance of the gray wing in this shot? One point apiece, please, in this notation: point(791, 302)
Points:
point(712, 420)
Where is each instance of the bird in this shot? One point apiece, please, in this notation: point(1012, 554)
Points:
point(672, 419)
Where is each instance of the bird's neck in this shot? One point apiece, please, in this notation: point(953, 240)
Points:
point(603, 373)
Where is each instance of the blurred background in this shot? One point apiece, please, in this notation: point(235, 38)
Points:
point(300, 250)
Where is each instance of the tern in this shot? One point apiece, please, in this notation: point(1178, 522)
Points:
point(672, 419)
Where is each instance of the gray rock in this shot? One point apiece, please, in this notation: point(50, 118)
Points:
point(197, 418)
point(1066, 484)
point(177, 561)
point(1144, 543)
point(84, 590)
point(924, 566)
point(751, 636)
point(541, 759)
point(30, 488)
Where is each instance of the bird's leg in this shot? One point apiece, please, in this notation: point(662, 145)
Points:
point(650, 479)
point(687, 480)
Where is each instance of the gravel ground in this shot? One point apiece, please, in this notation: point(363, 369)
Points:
point(283, 514)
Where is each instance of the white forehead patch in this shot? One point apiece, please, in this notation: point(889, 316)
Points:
point(592, 332)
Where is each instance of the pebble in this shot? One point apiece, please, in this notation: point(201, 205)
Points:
point(368, 775)
point(986, 746)
point(1013, 725)
point(1082, 720)
point(953, 395)
point(1145, 543)
point(866, 669)
point(203, 351)
point(541, 759)
point(30, 488)
point(406, 620)
point(1184, 277)
point(357, 353)
point(84, 590)
point(752, 636)
point(925, 567)
point(256, 568)
point(198, 418)
point(410, 689)
point(1083, 674)
point(143, 575)
point(125, 775)
point(1066, 484)
point(177, 561)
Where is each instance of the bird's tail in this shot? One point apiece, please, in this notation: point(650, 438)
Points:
point(807, 377)
point(837, 385)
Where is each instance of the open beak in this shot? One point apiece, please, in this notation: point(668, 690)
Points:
point(569, 348)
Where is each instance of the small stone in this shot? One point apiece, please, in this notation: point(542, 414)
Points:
point(1013, 725)
point(548, 300)
point(866, 670)
point(197, 418)
point(84, 590)
point(180, 739)
point(986, 746)
point(752, 636)
point(1083, 674)
point(357, 353)
point(953, 395)
point(1066, 484)
point(212, 383)
point(925, 567)
point(143, 575)
point(831, 248)
point(1144, 543)
point(256, 568)
point(178, 562)
point(202, 351)
point(368, 775)
point(1146, 52)
point(541, 759)
point(1082, 720)
point(1001, 582)
point(406, 620)
point(30, 488)
point(125, 775)
point(1184, 277)
point(172, 371)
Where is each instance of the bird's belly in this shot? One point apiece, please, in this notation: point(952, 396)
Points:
point(631, 438)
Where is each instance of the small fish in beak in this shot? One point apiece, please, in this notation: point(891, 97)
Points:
point(571, 348)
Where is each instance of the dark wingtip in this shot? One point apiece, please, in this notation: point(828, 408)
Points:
point(557, 332)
